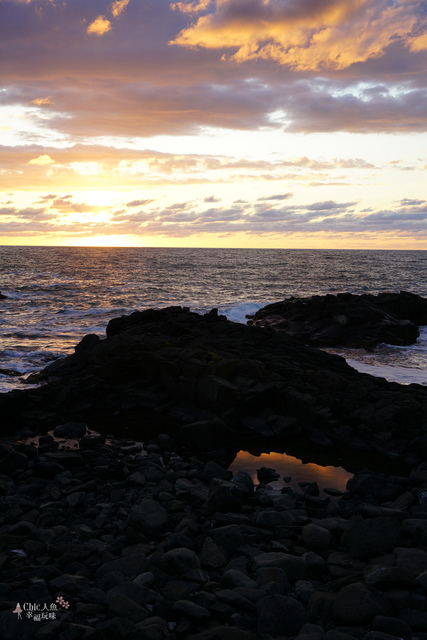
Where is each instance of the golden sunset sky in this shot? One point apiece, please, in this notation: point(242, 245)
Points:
point(227, 123)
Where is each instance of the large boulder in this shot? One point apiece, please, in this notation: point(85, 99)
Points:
point(149, 518)
point(357, 604)
point(348, 320)
point(370, 537)
point(70, 430)
point(280, 616)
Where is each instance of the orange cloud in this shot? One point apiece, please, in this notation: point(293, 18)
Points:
point(419, 43)
point(99, 26)
point(306, 36)
point(42, 101)
point(190, 7)
point(119, 6)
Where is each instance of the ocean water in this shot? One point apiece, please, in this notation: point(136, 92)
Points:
point(56, 295)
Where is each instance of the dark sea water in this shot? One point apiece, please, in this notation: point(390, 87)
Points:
point(56, 295)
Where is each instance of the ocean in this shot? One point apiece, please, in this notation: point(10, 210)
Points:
point(56, 295)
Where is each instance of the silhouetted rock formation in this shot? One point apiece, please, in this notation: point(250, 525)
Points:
point(213, 384)
point(348, 320)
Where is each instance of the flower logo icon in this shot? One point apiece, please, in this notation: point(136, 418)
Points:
point(62, 603)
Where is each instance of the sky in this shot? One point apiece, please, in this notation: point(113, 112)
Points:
point(214, 123)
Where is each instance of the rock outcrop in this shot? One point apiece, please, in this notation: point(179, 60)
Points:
point(348, 320)
point(213, 384)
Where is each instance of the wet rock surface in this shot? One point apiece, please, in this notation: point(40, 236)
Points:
point(214, 384)
point(348, 320)
point(120, 558)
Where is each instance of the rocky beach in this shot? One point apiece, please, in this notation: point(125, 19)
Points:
point(146, 533)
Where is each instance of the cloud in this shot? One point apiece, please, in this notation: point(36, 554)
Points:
point(118, 7)
point(43, 160)
point(64, 217)
point(79, 108)
point(7, 211)
point(322, 107)
point(133, 83)
point(40, 102)
point(329, 205)
point(191, 7)
point(418, 43)
point(49, 196)
point(139, 203)
point(307, 34)
point(27, 214)
point(34, 214)
point(103, 167)
point(280, 196)
point(410, 202)
point(99, 26)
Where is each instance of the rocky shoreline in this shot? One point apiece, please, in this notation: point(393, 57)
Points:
point(214, 385)
point(147, 544)
point(111, 538)
point(348, 320)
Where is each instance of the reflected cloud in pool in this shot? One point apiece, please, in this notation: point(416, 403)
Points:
point(328, 477)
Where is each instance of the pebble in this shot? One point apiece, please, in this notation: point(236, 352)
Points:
point(130, 566)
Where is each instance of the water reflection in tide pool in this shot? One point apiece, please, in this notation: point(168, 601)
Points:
point(327, 477)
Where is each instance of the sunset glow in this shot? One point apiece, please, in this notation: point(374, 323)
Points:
point(235, 123)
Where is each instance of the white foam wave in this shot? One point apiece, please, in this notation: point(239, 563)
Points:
point(239, 312)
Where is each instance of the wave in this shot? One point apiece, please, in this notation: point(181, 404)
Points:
point(94, 311)
point(403, 375)
point(239, 312)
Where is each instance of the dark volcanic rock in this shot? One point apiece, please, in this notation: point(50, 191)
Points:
point(358, 604)
point(348, 320)
point(206, 435)
point(150, 518)
point(70, 430)
point(369, 537)
point(280, 615)
point(147, 544)
point(266, 475)
point(212, 384)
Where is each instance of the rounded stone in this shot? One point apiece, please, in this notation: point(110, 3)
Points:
point(358, 604)
point(180, 561)
point(316, 538)
point(280, 616)
point(70, 430)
